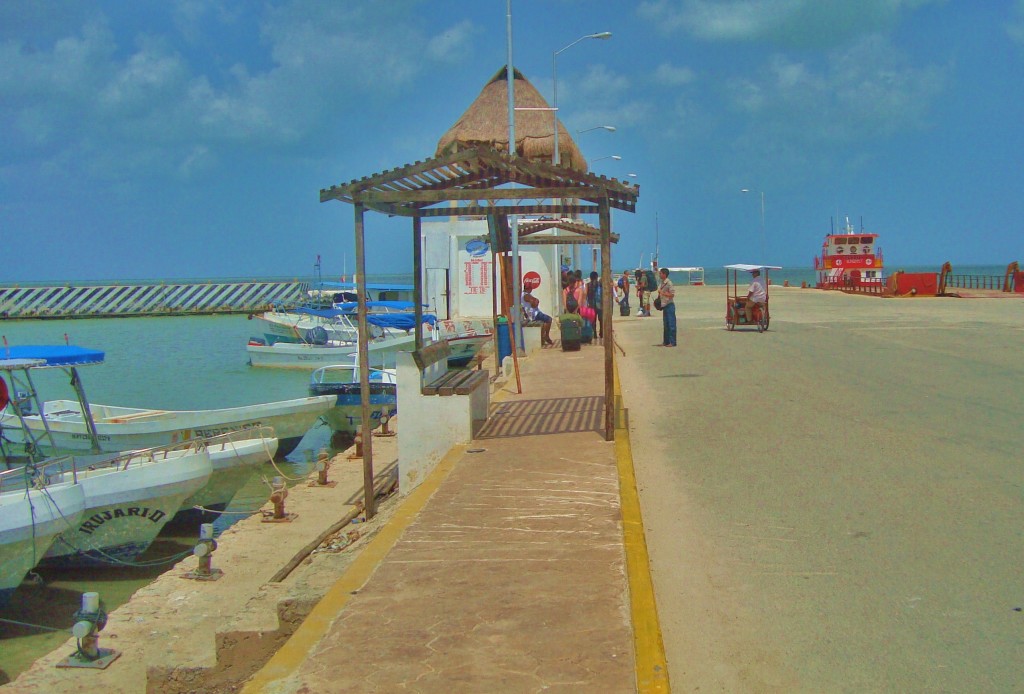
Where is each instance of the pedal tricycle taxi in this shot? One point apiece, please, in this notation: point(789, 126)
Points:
point(736, 297)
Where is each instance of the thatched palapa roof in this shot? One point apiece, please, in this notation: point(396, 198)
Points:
point(485, 122)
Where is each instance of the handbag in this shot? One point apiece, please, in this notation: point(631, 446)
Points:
point(657, 303)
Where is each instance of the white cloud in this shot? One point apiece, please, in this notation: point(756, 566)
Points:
point(673, 76)
point(168, 96)
point(784, 22)
point(1015, 25)
point(452, 45)
point(794, 112)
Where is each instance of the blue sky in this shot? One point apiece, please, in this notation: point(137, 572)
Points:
point(190, 138)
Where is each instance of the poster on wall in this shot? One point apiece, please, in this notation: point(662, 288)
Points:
point(477, 268)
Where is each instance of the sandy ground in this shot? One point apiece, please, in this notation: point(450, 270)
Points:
point(836, 504)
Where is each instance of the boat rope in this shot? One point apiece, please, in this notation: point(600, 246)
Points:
point(228, 513)
point(109, 558)
point(282, 474)
point(33, 626)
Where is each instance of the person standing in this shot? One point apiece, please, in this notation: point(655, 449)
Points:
point(624, 286)
point(595, 296)
point(643, 294)
point(667, 295)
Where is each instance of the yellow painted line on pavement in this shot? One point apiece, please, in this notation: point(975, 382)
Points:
point(299, 647)
point(649, 648)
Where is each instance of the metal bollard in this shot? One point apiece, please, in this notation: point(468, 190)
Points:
point(204, 553)
point(358, 454)
point(89, 622)
point(323, 466)
point(277, 497)
point(384, 430)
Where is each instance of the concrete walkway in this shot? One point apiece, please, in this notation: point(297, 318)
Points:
point(504, 571)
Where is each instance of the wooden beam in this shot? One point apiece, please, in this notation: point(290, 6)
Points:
point(446, 194)
point(364, 364)
point(607, 322)
point(479, 211)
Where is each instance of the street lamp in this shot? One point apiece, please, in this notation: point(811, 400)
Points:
point(616, 157)
point(555, 158)
point(609, 128)
point(763, 254)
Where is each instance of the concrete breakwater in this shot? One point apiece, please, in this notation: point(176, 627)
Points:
point(117, 299)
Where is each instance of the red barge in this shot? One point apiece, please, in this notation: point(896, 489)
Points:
point(850, 260)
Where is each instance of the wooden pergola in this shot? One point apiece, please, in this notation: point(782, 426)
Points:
point(485, 182)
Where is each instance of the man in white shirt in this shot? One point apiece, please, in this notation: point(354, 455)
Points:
point(757, 295)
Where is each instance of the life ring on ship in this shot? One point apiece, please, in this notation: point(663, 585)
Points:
point(4, 395)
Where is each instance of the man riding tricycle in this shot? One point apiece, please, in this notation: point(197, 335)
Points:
point(751, 306)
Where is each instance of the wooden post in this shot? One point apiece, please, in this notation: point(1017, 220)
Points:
point(364, 363)
point(417, 281)
point(605, 216)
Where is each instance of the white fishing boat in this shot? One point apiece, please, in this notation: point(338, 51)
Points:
point(70, 426)
point(234, 457)
point(130, 428)
point(464, 348)
point(284, 355)
point(316, 325)
point(32, 515)
point(341, 381)
point(128, 500)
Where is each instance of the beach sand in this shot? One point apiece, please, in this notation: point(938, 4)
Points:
point(836, 504)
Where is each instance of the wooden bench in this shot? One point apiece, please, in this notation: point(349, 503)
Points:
point(438, 379)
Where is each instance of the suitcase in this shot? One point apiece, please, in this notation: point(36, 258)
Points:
point(587, 334)
point(571, 327)
point(623, 309)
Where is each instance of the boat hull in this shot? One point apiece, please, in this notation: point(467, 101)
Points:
point(463, 349)
point(22, 546)
point(127, 504)
point(346, 417)
point(233, 464)
point(125, 429)
point(282, 355)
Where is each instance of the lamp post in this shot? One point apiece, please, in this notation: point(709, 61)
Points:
point(763, 253)
point(555, 158)
point(616, 157)
point(609, 128)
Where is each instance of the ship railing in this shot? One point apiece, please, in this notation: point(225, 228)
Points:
point(974, 281)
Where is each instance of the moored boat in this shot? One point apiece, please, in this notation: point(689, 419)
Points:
point(75, 426)
point(342, 382)
point(234, 458)
point(32, 514)
point(850, 260)
point(128, 500)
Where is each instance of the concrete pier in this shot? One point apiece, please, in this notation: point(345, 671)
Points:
point(146, 298)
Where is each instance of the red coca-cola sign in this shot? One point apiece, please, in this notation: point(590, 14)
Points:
point(531, 280)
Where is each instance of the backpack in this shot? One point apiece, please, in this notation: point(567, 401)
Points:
point(594, 295)
point(652, 282)
point(571, 305)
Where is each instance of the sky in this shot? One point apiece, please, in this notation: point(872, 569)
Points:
point(191, 138)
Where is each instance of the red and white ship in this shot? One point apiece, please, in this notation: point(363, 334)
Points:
point(849, 259)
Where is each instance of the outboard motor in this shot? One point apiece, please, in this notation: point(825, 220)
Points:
point(318, 335)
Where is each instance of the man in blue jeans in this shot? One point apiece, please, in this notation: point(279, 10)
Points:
point(667, 294)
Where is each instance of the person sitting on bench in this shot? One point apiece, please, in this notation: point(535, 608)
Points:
point(531, 307)
point(757, 295)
